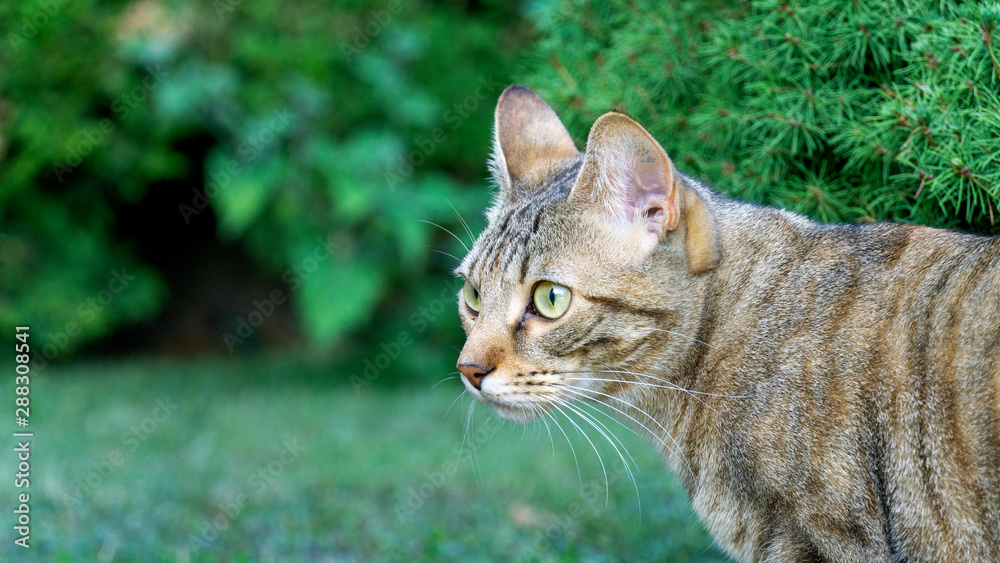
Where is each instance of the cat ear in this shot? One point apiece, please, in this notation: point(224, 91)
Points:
point(528, 141)
point(628, 177)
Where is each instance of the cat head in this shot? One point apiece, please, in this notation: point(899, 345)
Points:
point(585, 280)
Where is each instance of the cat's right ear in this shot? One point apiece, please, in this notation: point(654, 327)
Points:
point(528, 142)
point(630, 181)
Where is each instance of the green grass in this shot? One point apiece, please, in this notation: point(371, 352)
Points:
point(343, 497)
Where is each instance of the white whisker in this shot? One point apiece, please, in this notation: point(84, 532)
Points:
point(597, 426)
point(465, 433)
point(636, 407)
point(671, 384)
point(447, 231)
point(445, 379)
point(607, 486)
point(524, 432)
point(626, 427)
point(581, 392)
point(448, 254)
point(470, 424)
point(571, 448)
point(495, 430)
point(625, 381)
point(572, 389)
point(608, 430)
point(462, 219)
point(460, 395)
point(541, 414)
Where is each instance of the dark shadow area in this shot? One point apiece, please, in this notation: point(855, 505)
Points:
point(210, 283)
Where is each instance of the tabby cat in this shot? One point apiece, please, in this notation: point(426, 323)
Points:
point(824, 392)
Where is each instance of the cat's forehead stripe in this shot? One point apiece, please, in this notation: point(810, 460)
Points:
point(508, 244)
point(511, 243)
point(492, 241)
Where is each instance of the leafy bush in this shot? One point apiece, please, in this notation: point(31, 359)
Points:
point(316, 136)
point(845, 111)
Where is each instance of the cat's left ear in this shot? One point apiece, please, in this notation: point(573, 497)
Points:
point(627, 176)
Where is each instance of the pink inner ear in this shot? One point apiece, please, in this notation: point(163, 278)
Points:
point(650, 192)
point(649, 175)
point(653, 209)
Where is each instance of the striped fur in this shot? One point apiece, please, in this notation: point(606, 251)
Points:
point(824, 392)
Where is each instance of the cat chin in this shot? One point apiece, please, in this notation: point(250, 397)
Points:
point(514, 413)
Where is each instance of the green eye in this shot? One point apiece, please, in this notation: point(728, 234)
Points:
point(471, 296)
point(551, 300)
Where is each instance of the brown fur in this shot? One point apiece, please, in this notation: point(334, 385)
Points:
point(825, 393)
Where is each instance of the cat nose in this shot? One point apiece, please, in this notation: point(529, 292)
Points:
point(474, 373)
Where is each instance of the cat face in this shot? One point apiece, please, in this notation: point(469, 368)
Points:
point(559, 302)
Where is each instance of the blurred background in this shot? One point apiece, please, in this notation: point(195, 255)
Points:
point(231, 225)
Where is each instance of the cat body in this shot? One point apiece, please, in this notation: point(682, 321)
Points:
point(869, 359)
point(823, 392)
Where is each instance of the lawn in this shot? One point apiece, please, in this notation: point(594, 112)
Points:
point(272, 460)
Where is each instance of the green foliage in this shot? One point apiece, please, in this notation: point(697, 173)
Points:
point(856, 111)
point(57, 251)
point(315, 133)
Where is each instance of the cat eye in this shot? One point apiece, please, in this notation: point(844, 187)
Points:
point(471, 295)
point(551, 299)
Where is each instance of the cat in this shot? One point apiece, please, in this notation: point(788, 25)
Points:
point(823, 392)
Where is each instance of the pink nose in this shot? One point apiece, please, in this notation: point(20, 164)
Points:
point(474, 373)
